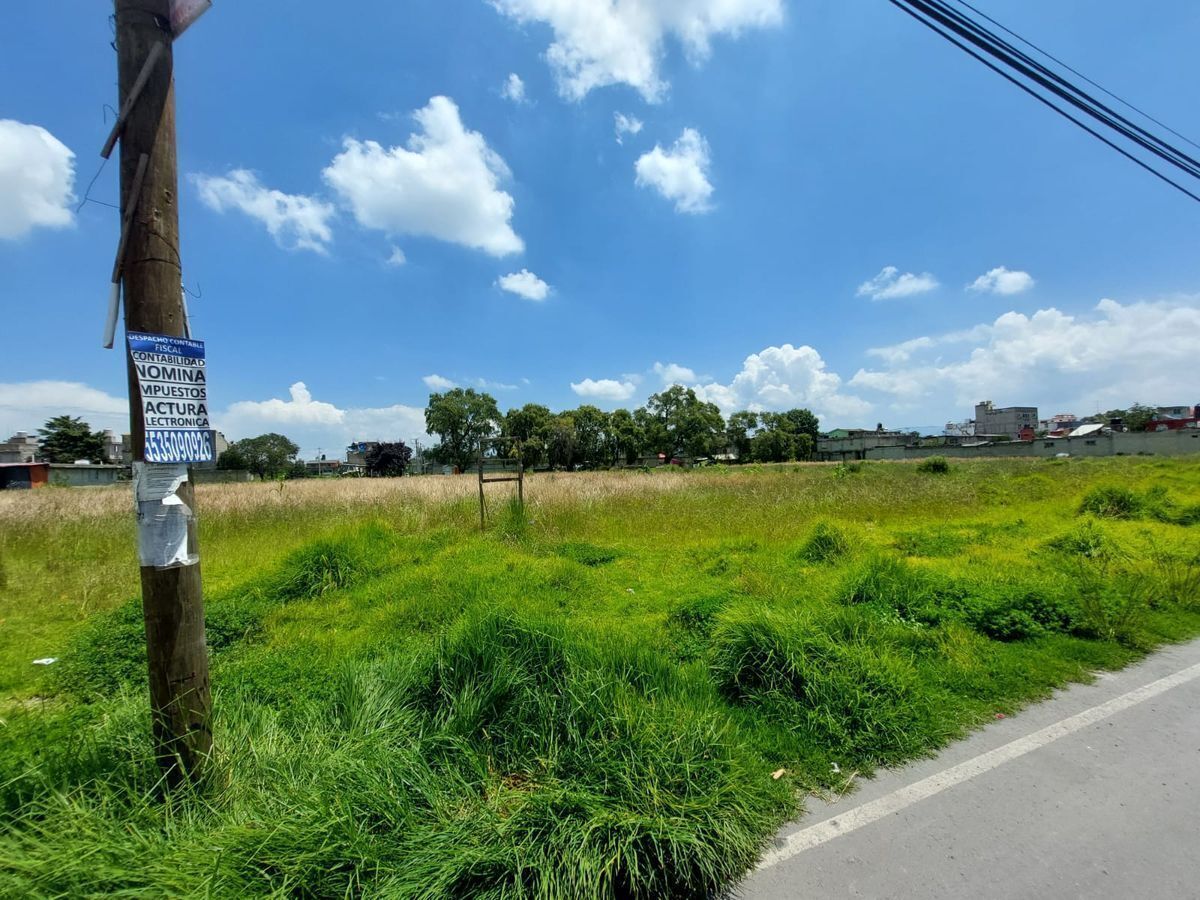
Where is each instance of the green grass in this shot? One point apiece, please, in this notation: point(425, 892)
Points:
point(589, 699)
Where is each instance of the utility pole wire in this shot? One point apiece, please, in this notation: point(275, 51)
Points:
point(1052, 81)
point(911, 8)
point(1076, 72)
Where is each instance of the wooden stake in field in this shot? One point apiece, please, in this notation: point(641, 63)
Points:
point(172, 599)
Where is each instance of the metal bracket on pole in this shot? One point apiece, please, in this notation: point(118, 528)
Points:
point(114, 294)
point(143, 76)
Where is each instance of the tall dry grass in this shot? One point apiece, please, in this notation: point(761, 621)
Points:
point(65, 505)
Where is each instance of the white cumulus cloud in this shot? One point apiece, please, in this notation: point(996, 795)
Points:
point(624, 125)
point(27, 405)
point(604, 389)
point(890, 284)
point(673, 373)
point(602, 42)
point(317, 424)
point(679, 174)
point(437, 382)
point(444, 184)
point(513, 88)
point(524, 284)
point(1109, 357)
point(1002, 280)
point(295, 221)
point(37, 177)
point(786, 377)
point(397, 257)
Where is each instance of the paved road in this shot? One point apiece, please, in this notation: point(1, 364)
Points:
point(1095, 793)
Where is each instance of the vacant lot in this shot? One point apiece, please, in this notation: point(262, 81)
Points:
point(620, 691)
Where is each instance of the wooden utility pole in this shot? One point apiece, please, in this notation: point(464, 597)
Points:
point(172, 599)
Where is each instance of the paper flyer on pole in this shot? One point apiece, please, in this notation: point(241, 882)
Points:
point(173, 384)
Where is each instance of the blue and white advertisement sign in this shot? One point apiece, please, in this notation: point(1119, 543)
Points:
point(174, 392)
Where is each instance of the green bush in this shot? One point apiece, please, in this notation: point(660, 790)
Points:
point(934, 465)
point(1011, 610)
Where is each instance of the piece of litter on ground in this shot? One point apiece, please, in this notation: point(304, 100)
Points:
point(46, 661)
point(777, 774)
point(629, 590)
point(837, 770)
point(1001, 716)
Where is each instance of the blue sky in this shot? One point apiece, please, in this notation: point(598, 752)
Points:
point(807, 216)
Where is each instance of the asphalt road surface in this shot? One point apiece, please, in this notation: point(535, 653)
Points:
point(1094, 793)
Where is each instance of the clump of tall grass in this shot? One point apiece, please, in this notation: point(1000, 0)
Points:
point(857, 698)
point(587, 554)
point(884, 581)
point(826, 543)
point(1113, 603)
point(934, 465)
point(1087, 539)
point(690, 624)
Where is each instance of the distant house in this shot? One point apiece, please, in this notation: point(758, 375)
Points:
point(322, 466)
point(356, 455)
point(841, 444)
point(1009, 420)
point(22, 447)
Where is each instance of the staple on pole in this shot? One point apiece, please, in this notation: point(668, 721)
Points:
point(143, 76)
point(114, 295)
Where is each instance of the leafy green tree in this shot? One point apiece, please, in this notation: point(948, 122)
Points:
point(562, 442)
point(1138, 416)
point(681, 422)
point(805, 445)
point(388, 459)
point(267, 456)
point(65, 439)
point(591, 435)
point(773, 445)
point(803, 421)
point(738, 431)
point(461, 418)
point(232, 458)
point(528, 424)
point(625, 436)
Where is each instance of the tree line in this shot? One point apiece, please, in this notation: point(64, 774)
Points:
point(673, 423)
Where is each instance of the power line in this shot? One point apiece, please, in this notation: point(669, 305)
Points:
point(1073, 71)
point(961, 31)
point(1052, 81)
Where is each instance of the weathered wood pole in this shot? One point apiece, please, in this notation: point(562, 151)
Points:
point(172, 598)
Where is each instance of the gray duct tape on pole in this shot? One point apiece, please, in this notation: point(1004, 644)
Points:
point(162, 517)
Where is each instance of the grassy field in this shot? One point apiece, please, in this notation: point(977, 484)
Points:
point(620, 692)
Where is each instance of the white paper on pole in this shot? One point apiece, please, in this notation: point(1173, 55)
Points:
point(162, 516)
point(185, 12)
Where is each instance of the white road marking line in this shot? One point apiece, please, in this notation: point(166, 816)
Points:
point(856, 818)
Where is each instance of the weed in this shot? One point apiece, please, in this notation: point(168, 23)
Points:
point(1087, 539)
